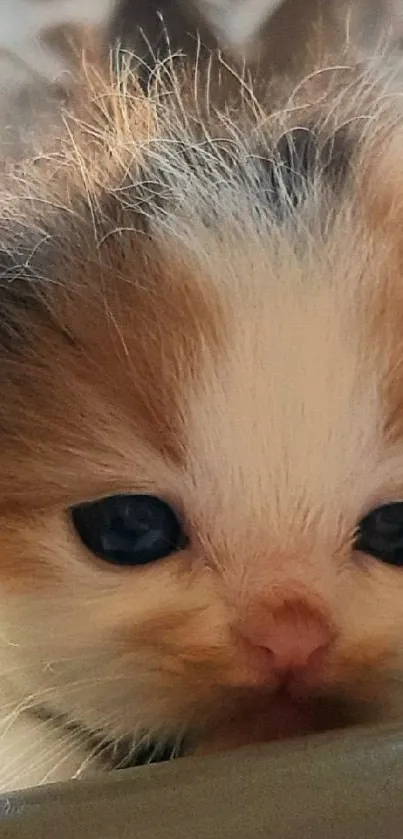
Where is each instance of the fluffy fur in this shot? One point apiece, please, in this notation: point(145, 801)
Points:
point(201, 303)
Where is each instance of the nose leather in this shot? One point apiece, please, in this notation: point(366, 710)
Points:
point(295, 635)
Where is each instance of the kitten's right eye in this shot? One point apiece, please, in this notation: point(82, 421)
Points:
point(129, 529)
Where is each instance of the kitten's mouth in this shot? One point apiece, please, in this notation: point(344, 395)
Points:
point(252, 720)
point(261, 720)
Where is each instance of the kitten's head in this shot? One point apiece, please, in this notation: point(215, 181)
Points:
point(201, 409)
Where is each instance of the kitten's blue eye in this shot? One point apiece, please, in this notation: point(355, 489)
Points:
point(380, 534)
point(129, 529)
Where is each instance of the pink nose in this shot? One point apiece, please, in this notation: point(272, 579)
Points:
point(295, 636)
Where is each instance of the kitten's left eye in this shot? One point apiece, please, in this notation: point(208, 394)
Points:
point(129, 529)
point(380, 534)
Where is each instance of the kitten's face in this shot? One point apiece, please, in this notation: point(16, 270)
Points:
point(240, 362)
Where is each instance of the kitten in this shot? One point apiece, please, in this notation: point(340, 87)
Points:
point(150, 26)
point(26, 24)
point(279, 33)
point(201, 422)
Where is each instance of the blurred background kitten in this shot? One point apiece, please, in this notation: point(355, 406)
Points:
point(30, 30)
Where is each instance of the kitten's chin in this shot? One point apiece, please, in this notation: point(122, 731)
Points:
point(278, 718)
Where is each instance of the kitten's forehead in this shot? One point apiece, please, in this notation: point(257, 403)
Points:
point(209, 300)
point(289, 416)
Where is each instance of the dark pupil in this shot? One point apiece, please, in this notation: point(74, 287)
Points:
point(381, 533)
point(128, 529)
